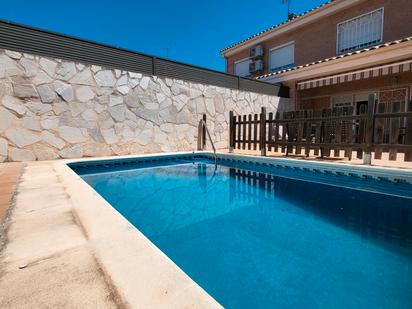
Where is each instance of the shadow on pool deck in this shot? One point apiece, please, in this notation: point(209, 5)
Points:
point(9, 176)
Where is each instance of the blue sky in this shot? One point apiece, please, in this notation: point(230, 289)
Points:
point(189, 31)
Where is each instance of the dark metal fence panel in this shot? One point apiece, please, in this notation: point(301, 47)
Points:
point(42, 43)
point(330, 132)
point(39, 42)
point(167, 68)
point(250, 85)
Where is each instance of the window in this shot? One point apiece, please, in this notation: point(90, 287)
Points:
point(342, 100)
point(242, 68)
point(282, 57)
point(360, 32)
point(349, 99)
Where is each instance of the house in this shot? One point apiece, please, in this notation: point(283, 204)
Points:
point(335, 55)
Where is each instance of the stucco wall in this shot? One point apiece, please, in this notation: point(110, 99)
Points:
point(52, 109)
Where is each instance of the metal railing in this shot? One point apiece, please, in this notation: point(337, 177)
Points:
point(201, 140)
point(26, 39)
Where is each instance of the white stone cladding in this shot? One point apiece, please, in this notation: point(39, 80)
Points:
point(52, 108)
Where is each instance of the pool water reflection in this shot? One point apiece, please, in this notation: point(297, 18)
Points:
point(258, 240)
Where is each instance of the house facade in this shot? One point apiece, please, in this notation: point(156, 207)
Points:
point(335, 55)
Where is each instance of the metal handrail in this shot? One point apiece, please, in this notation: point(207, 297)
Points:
point(202, 143)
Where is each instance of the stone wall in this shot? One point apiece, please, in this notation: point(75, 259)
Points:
point(51, 108)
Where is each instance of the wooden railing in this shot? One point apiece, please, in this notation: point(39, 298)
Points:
point(326, 132)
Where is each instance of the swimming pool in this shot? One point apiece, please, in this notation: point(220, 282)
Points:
point(271, 233)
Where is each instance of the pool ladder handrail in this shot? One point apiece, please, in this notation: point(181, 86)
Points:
point(202, 143)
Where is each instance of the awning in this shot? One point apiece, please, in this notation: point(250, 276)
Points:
point(383, 70)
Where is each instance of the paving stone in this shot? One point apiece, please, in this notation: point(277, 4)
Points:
point(43, 153)
point(109, 136)
point(3, 147)
point(42, 78)
point(30, 68)
point(48, 66)
point(84, 93)
point(8, 67)
point(84, 77)
point(13, 54)
point(76, 108)
point(31, 123)
point(47, 95)
point(89, 115)
point(14, 104)
point(52, 140)
point(7, 119)
point(20, 155)
point(38, 108)
point(24, 90)
point(21, 137)
point(96, 150)
point(72, 134)
point(115, 100)
point(75, 151)
point(105, 78)
point(66, 71)
point(64, 90)
point(118, 112)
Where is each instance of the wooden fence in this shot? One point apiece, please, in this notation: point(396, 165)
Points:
point(328, 132)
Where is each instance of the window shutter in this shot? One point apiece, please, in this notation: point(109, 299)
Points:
point(282, 57)
point(242, 68)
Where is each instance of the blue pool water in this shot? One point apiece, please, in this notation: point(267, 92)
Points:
point(255, 237)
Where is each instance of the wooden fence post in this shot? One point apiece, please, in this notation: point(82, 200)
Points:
point(408, 133)
point(367, 157)
point(232, 132)
point(262, 141)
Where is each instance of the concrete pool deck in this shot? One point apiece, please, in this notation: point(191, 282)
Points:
point(67, 247)
point(46, 260)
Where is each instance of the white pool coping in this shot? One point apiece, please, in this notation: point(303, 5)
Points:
point(376, 171)
point(143, 275)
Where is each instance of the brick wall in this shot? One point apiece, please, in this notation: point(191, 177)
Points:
point(318, 40)
point(317, 98)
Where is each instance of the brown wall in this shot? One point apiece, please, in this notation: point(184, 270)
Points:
point(318, 40)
